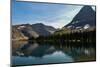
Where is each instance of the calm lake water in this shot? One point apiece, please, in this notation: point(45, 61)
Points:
point(32, 53)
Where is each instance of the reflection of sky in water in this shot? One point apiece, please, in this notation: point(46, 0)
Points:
point(56, 57)
point(25, 53)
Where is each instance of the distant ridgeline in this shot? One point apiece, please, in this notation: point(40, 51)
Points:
point(81, 29)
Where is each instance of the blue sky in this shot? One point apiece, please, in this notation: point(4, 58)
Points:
point(56, 15)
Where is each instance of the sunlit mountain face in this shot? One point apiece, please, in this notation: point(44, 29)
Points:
point(26, 31)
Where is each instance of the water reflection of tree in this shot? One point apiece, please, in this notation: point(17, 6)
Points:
point(77, 50)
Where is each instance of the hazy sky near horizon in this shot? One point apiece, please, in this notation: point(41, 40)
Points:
point(56, 15)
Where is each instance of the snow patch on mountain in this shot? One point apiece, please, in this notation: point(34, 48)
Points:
point(79, 27)
point(70, 26)
point(86, 26)
point(51, 31)
point(21, 27)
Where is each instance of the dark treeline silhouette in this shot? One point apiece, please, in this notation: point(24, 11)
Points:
point(79, 36)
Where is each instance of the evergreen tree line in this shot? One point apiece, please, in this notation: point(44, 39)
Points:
point(80, 36)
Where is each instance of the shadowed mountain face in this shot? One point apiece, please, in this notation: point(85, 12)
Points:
point(84, 19)
point(31, 31)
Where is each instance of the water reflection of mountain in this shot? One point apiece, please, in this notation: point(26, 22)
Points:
point(75, 50)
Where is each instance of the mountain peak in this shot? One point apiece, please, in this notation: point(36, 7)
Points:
point(87, 7)
point(86, 11)
point(85, 16)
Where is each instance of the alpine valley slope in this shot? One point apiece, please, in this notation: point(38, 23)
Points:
point(26, 31)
